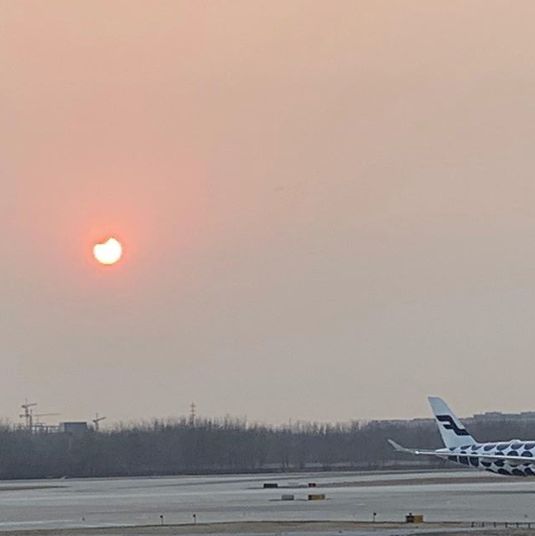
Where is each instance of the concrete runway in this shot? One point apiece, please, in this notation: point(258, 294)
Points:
point(447, 496)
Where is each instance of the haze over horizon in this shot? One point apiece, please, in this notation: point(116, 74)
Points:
point(326, 208)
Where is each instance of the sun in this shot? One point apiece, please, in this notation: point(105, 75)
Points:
point(108, 252)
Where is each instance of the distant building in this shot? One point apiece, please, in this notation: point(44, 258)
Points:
point(489, 417)
point(499, 417)
point(73, 427)
point(412, 423)
point(421, 422)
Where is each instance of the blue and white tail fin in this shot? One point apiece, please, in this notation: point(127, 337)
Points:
point(453, 433)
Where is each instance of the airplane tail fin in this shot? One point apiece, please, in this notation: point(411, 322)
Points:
point(453, 433)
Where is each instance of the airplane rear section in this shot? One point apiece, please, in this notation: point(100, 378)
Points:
point(511, 458)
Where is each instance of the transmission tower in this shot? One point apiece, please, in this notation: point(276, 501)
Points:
point(192, 414)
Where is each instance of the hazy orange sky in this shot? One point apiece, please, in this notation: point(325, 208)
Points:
point(327, 207)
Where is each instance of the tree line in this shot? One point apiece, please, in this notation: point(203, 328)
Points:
point(223, 446)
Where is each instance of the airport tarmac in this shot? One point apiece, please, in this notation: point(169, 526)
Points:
point(282, 528)
point(80, 506)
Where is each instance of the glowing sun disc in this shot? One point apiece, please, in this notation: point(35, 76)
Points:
point(108, 252)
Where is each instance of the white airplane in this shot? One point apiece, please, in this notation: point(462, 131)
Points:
point(513, 457)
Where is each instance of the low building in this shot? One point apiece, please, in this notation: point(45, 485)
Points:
point(73, 427)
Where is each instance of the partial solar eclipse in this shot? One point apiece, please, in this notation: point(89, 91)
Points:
point(108, 252)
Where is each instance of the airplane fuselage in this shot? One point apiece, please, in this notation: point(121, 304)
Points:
point(465, 455)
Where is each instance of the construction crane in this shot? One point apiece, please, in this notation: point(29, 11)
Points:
point(28, 413)
point(96, 421)
point(36, 416)
point(31, 419)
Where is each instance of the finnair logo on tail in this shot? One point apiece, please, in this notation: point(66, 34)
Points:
point(449, 424)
